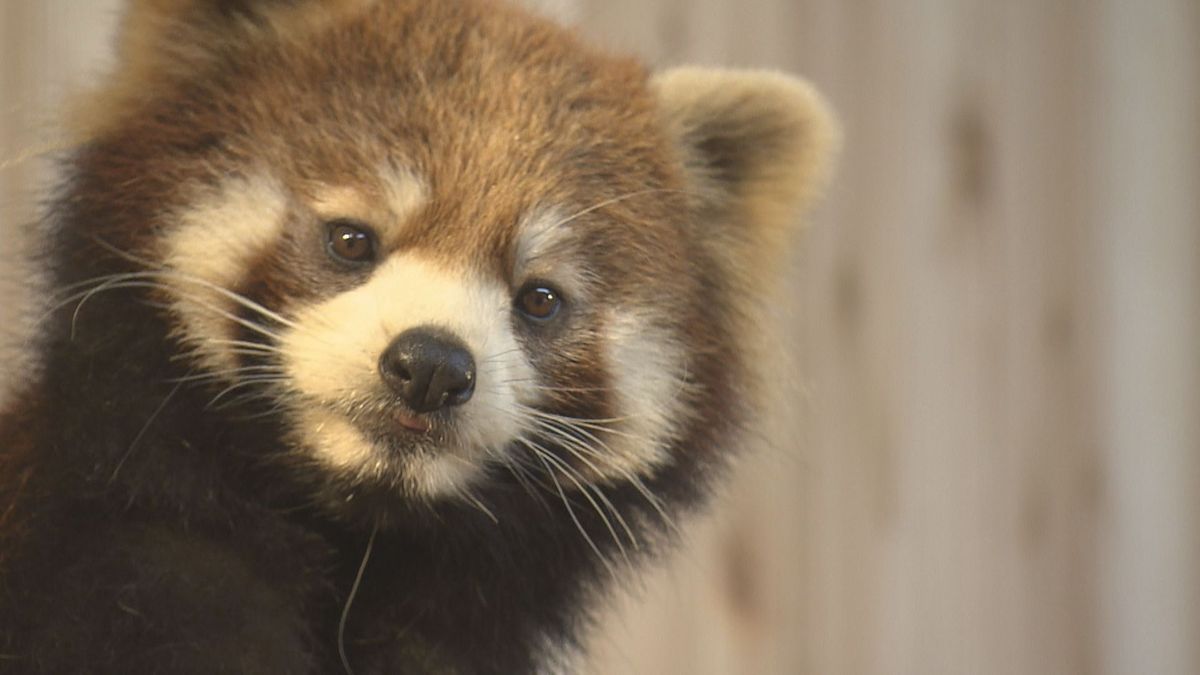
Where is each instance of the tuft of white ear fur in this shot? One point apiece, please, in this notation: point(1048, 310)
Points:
point(757, 148)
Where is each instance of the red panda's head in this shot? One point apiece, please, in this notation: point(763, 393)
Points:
point(444, 240)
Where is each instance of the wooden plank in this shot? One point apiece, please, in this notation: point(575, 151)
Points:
point(1147, 159)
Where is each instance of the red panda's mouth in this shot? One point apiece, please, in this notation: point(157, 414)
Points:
point(401, 430)
point(413, 422)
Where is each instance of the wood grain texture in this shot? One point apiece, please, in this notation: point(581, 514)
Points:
point(986, 458)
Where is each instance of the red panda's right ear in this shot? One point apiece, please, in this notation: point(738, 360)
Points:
point(167, 33)
point(162, 35)
point(162, 39)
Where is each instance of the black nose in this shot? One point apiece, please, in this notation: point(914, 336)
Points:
point(429, 368)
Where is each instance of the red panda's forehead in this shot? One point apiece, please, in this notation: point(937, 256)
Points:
point(497, 119)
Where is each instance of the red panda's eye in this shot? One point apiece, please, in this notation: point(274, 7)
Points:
point(539, 302)
point(351, 242)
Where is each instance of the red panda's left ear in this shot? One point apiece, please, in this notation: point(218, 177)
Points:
point(756, 146)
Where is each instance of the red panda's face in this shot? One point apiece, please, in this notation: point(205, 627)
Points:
point(424, 355)
point(439, 254)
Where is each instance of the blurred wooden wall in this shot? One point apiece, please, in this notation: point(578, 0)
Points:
point(987, 456)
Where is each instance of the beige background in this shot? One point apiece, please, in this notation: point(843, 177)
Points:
point(989, 458)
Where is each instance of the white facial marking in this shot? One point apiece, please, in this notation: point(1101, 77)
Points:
point(539, 234)
point(340, 201)
point(397, 196)
point(545, 249)
point(332, 349)
point(404, 193)
point(648, 382)
point(343, 446)
point(332, 356)
point(212, 246)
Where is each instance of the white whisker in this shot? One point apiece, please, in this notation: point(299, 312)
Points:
point(541, 455)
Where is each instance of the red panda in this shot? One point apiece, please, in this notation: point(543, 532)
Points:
point(383, 335)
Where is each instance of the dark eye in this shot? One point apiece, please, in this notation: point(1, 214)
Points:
point(539, 302)
point(351, 241)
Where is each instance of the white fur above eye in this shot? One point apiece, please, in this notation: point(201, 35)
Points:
point(395, 196)
point(546, 249)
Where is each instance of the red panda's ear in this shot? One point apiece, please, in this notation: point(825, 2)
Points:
point(164, 39)
point(181, 8)
point(200, 13)
point(193, 24)
point(757, 147)
point(167, 32)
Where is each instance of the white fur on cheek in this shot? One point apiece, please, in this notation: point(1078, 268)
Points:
point(331, 357)
point(343, 446)
point(648, 381)
point(212, 246)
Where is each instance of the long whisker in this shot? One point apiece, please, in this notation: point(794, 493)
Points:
point(362, 568)
point(252, 346)
point(158, 271)
point(228, 374)
point(252, 397)
point(587, 488)
point(526, 478)
point(609, 202)
point(556, 434)
point(575, 447)
point(142, 432)
point(541, 455)
point(499, 355)
point(520, 472)
point(468, 495)
point(67, 289)
point(584, 423)
point(242, 384)
point(534, 384)
point(591, 420)
point(118, 282)
point(633, 479)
